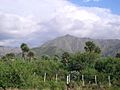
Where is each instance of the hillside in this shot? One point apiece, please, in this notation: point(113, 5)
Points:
point(74, 44)
point(5, 50)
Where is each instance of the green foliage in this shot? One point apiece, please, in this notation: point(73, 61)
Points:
point(91, 47)
point(30, 55)
point(97, 50)
point(25, 49)
point(84, 59)
point(8, 57)
point(56, 58)
point(118, 55)
point(25, 74)
point(89, 74)
point(41, 73)
point(45, 57)
point(65, 58)
point(109, 66)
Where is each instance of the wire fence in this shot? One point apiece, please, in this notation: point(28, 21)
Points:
point(82, 79)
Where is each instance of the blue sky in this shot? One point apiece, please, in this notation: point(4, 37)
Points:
point(36, 21)
point(113, 5)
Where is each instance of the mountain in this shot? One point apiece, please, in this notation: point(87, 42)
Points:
point(74, 44)
point(4, 50)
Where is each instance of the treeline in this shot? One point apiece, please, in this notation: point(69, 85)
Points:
point(45, 72)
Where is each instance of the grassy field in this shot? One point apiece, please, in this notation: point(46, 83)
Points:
point(76, 88)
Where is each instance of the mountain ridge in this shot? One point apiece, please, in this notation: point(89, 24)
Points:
point(74, 44)
point(68, 43)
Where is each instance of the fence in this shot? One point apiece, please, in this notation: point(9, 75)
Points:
point(85, 80)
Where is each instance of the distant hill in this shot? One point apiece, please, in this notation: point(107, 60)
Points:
point(5, 50)
point(70, 44)
point(74, 44)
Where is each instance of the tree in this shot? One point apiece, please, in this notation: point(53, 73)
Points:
point(75, 65)
point(25, 49)
point(97, 50)
point(30, 55)
point(65, 57)
point(117, 55)
point(10, 55)
point(56, 58)
point(91, 47)
point(45, 57)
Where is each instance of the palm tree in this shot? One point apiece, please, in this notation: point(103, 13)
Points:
point(25, 49)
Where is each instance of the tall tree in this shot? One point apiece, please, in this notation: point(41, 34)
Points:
point(65, 57)
point(25, 49)
point(91, 47)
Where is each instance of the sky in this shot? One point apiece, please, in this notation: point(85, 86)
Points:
point(36, 21)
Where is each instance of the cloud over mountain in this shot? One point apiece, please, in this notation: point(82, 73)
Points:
point(45, 19)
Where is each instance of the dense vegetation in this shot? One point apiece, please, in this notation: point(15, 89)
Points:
point(44, 72)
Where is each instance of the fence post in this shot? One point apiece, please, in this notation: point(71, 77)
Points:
point(83, 82)
point(109, 81)
point(56, 77)
point(95, 80)
point(44, 77)
point(69, 78)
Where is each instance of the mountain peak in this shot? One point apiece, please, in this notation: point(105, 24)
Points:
point(74, 44)
point(68, 35)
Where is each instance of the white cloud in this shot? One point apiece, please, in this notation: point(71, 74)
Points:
point(16, 25)
point(48, 19)
point(87, 22)
point(15, 29)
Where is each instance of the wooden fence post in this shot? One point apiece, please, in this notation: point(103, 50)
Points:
point(56, 77)
point(83, 82)
point(95, 79)
point(109, 81)
point(44, 77)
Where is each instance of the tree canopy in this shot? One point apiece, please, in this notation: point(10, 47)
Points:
point(91, 47)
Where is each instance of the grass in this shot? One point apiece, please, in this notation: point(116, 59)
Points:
point(79, 88)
